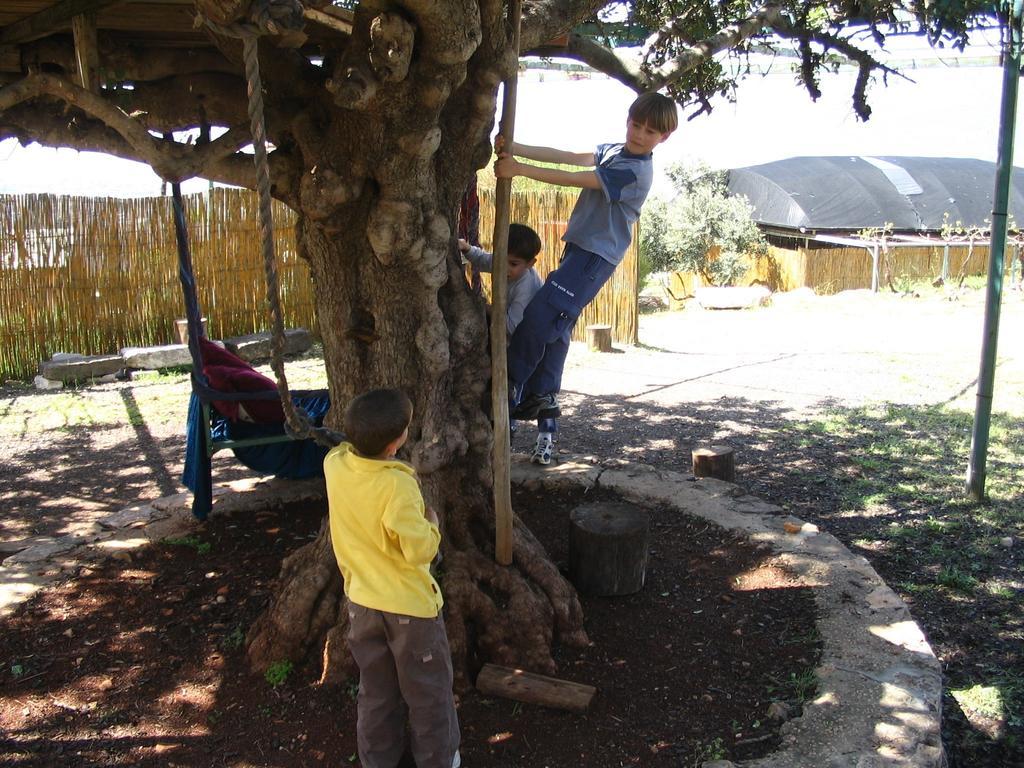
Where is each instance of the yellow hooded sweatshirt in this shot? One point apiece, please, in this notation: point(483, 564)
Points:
point(382, 541)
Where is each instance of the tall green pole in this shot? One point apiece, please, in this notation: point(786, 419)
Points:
point(996, 260)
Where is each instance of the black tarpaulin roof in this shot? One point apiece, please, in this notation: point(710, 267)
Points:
point(857, 192)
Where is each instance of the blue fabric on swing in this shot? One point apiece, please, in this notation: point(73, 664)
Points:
point(295, 459)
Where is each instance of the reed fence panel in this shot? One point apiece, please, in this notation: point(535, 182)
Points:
point(831, 270)
point(94, 275)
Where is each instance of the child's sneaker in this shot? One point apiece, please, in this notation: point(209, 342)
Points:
point(457, 760)
point(542, 451)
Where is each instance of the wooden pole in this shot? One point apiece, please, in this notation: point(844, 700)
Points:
point(87, 51)
point(499, 301)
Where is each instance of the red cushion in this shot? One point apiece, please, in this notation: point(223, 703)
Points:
point(230, 373)
point(215, 354)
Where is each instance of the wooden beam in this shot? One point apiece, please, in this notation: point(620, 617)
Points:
point(328, 20)
point(50, 19)
point(534, 689)
point(10, 59)
point(87, 52)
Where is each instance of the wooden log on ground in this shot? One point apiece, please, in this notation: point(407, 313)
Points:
point(599, 338)
point(608, 548)
point(531, 688)
point(714, 461)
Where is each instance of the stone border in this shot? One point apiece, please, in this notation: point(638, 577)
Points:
point(879, 700)
point(879, 684)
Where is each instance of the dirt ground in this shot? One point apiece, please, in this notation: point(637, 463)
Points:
point(139, 663)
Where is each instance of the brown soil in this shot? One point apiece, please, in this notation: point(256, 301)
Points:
point(140, 662)
point(755, 380)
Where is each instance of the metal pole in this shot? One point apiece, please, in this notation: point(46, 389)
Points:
point(874, 268)
point(997, 249)
point(499, 300)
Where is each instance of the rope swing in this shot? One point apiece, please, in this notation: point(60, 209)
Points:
point(296, 420)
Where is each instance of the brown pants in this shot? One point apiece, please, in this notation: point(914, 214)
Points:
point(405, 670)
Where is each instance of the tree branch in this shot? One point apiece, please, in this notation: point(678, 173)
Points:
point(606, 60)
point(866, 63)
point(170, 160)
point(133, 133)
point(214, 161)
point(546, 19)
point(700, 52)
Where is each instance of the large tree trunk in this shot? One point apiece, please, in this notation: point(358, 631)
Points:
point(384, 173)
point(393, 326)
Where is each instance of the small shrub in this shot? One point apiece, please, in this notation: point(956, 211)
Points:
point(277, 673)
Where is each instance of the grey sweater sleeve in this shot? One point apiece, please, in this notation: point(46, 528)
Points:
point(479, 258)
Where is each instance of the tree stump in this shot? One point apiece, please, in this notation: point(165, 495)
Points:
point(608, 548)
point(714, 461)
point(181, 329)
point(599, 338)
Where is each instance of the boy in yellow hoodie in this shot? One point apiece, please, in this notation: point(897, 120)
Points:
point(384, 539)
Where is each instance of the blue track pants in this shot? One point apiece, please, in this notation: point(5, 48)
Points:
point(537, 351)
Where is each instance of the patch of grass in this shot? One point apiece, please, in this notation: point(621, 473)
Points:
point(915, 588)
point(278, 672)
point(902, 532)
point(804, 684)
point(1001, 591)
point(234, 640)
point(952, 577)
point(193, 542)
point(708, 751)
point(810, 637)
point(796, 688)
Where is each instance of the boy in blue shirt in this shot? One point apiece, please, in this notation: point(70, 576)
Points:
point(599, 231)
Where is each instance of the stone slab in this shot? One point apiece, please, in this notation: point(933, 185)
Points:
point(41, 382)
point(256, 346)
point(80, 370)
point(155, 358)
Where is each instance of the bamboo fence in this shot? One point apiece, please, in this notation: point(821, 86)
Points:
point(831, 270)
point(94, 275)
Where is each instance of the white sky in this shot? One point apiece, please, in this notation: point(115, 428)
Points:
point(948, 111)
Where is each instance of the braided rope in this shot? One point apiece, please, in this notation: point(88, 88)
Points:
point(297, 422)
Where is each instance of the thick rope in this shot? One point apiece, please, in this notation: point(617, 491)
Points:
point(263, 17)
point(296, 420)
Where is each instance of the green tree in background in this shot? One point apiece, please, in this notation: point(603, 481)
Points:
point(681, 234)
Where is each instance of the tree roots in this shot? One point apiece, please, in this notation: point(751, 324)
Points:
point(505, 615)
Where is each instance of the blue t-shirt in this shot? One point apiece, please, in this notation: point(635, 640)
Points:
point(602, 221)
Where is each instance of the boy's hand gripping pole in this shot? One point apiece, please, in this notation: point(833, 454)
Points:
point(499, 309)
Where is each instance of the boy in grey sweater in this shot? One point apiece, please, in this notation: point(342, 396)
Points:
point(523, 282)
